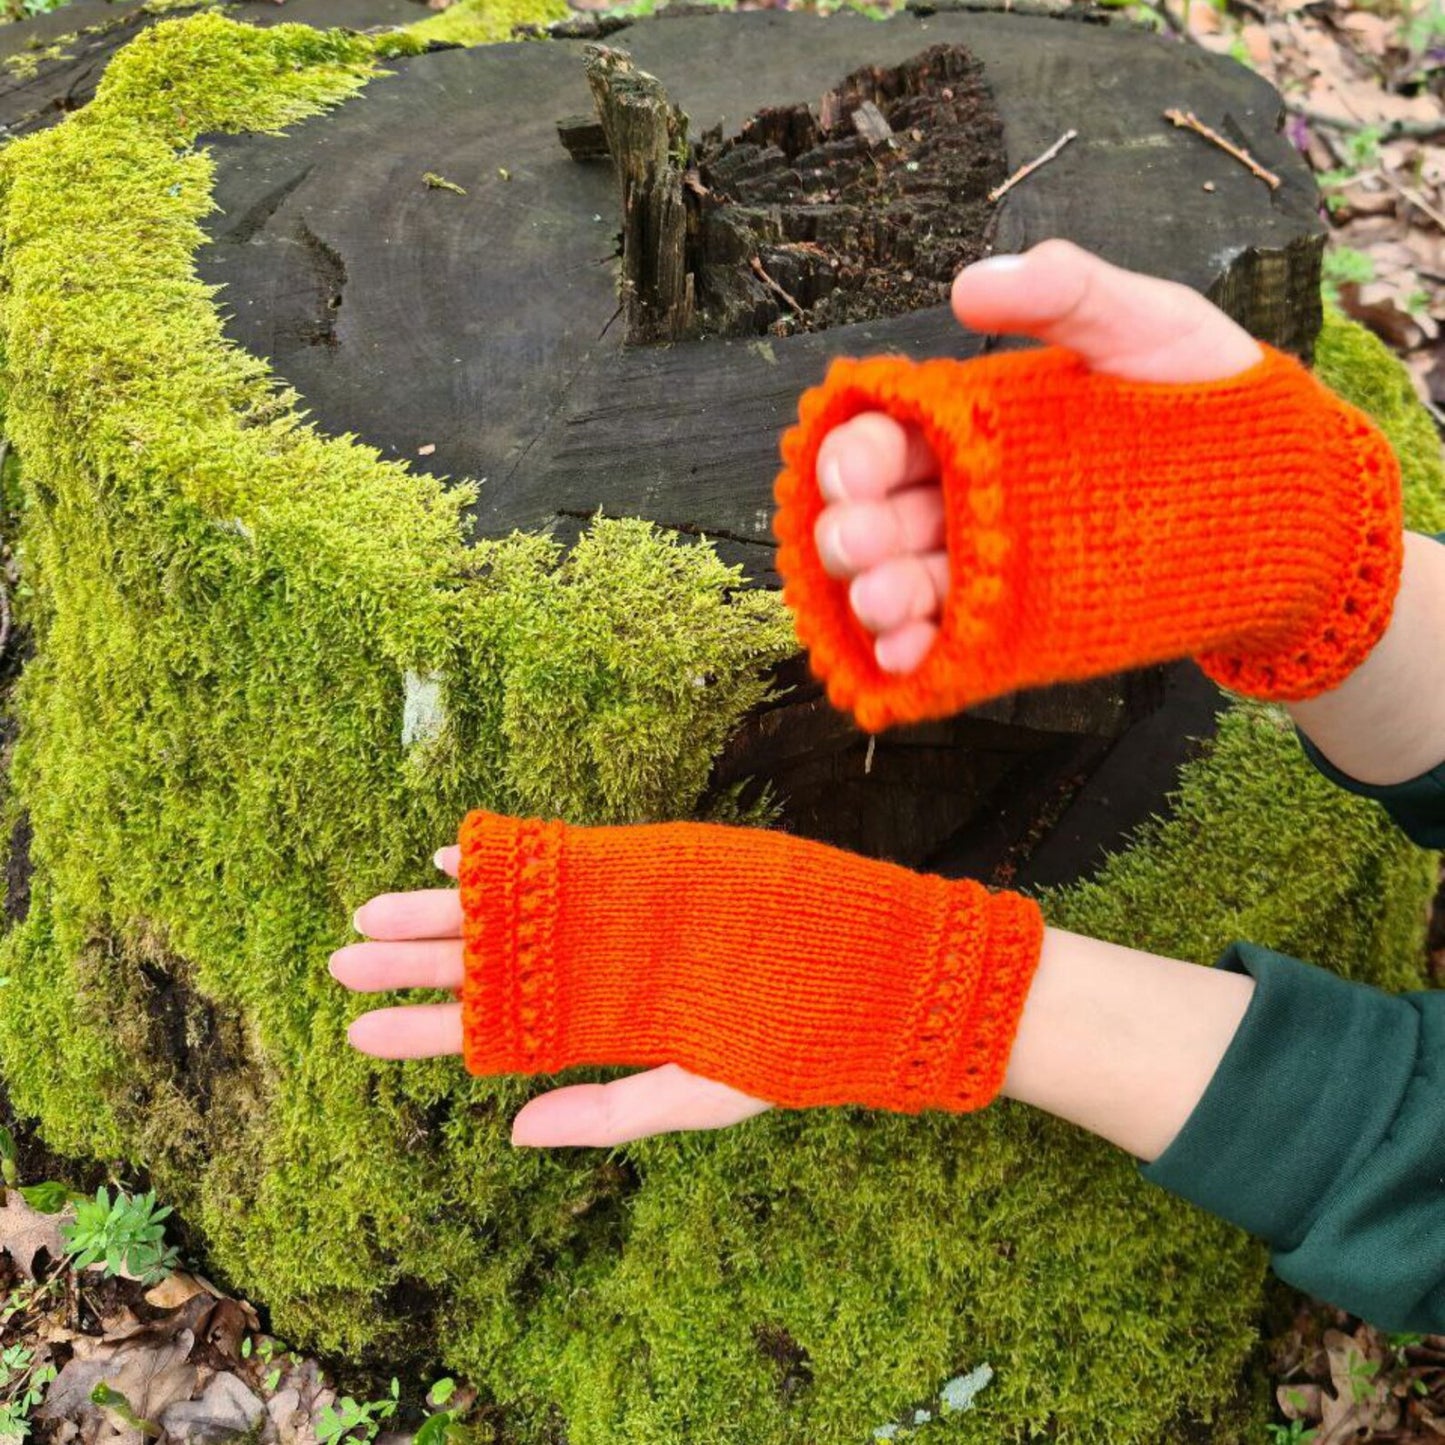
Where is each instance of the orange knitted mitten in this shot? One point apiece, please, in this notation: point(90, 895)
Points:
point(1095, 525)
point(792, 971)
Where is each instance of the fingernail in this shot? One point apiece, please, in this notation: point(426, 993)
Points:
point(997, 265)
point(356, 922)
point(830, 545)
point(830, 480)
point(868, 601)
point(436, 859)
point(331, 965)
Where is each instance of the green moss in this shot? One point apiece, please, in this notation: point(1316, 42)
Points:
point(228, 608)
point(479, 22)
point(1358, 365)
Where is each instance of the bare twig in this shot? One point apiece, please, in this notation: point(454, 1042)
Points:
point(1189, 121)
point(999, 192)
point(1393, 130)
point(1162, 10)
point(762, 275)
point(4, 616)
point(868, 761)
point(1414, 197)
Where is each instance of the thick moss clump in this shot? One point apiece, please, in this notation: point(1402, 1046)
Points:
point(479, 22)
point(271, 675)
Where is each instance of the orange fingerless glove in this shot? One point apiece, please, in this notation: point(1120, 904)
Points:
point(1094, 525)
point(787, 969)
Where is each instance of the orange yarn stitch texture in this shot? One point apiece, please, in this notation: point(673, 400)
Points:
point(1095, 524)
point(790, 970)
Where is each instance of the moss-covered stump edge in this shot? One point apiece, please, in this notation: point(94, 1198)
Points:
point(231, 614)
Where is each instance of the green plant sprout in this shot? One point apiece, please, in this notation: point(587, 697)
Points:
point(1345, 266)
point(113, 1400)
point(126, 1232)
point(355, 1420)
point(1295, 1433)
point(22, 1386)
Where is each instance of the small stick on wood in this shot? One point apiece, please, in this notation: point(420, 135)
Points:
point(1189, 121)
point(762, 275)
point(999, 192)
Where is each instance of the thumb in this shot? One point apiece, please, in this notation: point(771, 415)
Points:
point(1138, 328)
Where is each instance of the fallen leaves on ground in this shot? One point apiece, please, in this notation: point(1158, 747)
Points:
point(1347, 1381)
point(25, 1233)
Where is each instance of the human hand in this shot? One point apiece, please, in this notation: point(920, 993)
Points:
point(844, 980)
point(884, 529)
point(416, 942)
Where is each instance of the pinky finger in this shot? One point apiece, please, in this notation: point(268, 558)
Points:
point(417, 1031)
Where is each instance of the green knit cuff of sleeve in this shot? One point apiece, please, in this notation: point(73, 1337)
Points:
point(1283, 1119)
point(1417, 805)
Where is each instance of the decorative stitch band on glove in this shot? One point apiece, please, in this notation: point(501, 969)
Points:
point(1095, 524)
point(797, 973)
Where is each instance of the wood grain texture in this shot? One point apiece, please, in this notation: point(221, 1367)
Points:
point(484, 325)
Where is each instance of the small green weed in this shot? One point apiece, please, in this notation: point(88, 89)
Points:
point(1295, 1433)
point(126, 1232)
point(22, 1384)
point(354, 1420)
point(1345, 266)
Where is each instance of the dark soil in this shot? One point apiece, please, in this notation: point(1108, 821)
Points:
point(811, 218)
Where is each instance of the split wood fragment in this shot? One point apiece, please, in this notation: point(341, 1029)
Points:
point(1189, 121)
point(998, 192)
point(646, 135)
point(871, 124)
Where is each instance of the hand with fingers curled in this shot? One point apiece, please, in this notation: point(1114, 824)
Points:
point(1150, 484)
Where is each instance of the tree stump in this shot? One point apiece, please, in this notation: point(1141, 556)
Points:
point(481, 323)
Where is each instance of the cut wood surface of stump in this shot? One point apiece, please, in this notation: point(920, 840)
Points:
point(581, 336)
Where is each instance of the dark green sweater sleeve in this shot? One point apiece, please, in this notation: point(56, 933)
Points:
point(1418, 806)
point(1323, 1132)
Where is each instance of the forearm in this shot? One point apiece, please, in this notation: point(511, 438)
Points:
point(1386, 722)
point(1120, 1042)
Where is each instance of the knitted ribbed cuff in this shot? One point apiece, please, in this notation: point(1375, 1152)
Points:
point(792, 971)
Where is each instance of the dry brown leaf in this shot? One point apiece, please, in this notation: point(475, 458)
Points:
point(225, 1410)
point(1258, 45)
point(1299, 1402)
point(24, 1232)
point(1203, 19)
point(1362, 1399)
point(175, 1290)
point(1372, 33)
point(1379, 305)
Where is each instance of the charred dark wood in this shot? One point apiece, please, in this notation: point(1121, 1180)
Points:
point(647, 139)
point(583, 138)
